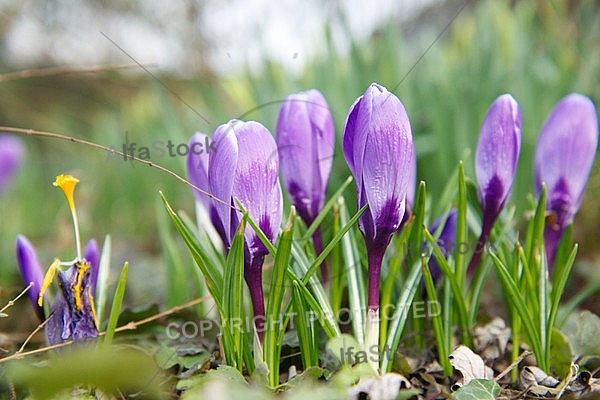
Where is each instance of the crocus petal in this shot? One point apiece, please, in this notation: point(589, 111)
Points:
point(91, 253)
point(11, 155)
point(379, 149)
point(412, 181)
point(497, 154)
point(256, 182)
point(221, 167)
point(564, 154)
point(31, 271)
point(305, 140)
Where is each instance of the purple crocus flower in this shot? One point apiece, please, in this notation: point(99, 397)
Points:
point(72, 315)
point(495, 163)
point(564, 155)
point(378, 147)
point(246, 167)
point(11, 155)
point(446, 240)
point(31, 271)
point(305, 140)
point(197, 171)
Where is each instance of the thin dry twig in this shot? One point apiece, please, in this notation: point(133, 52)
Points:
point(32, 132)
point(129, 326)
point(511, 366)
point(52, 71)
point(32, 334)
point(13, 301)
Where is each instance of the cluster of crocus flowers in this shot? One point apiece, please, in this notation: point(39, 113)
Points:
point(244, 167)
point(496, 160)
point(72, 314)
point(11, 156)
point(379, 150)
point(564, 156)
point(305, 141)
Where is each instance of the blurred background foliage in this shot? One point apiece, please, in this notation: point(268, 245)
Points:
point(538, 51)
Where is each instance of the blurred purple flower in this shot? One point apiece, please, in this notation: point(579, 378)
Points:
point(305, 141)
point(197, 171)
point(31, 271)
point(446, 240)
point(11, 155)
point(378, 147)
point(246, 167)
point(564, 155)
point(496, 162)
point(72, 315)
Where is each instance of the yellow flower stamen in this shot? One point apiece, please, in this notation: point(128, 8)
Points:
point(82, 268)
point(67, 184)
point(48, 280)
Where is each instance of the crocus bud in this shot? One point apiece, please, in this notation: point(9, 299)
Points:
point(31, 271)
point(246, 167)
point(378, 147)
point(564, 155)
point(11, 155)
point(496, 162)
point(305, 140)
point(91, 254)
point(197, 172)
point(72, 316)
point(446, 240)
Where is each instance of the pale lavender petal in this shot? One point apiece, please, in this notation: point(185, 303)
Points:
point(565, 153)
point(497, 154)
point(256, 182)
point(92, 254)
point(412, 180)
point(197, 169)
point(31, 271)
point(305, 140)
point(11, 155)
point(221, 171)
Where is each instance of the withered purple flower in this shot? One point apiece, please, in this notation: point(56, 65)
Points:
point(72, 315)
point(564, 156)
point(496, 162)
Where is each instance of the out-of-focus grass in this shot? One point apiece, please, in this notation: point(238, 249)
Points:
point(537, 51)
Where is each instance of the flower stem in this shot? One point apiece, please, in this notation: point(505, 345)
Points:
point(253, 278)
point(318, 243)
point(375, 258)
point(552, 237)
point(480, 247)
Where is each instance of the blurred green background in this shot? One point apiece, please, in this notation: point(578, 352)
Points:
point(538, 51)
